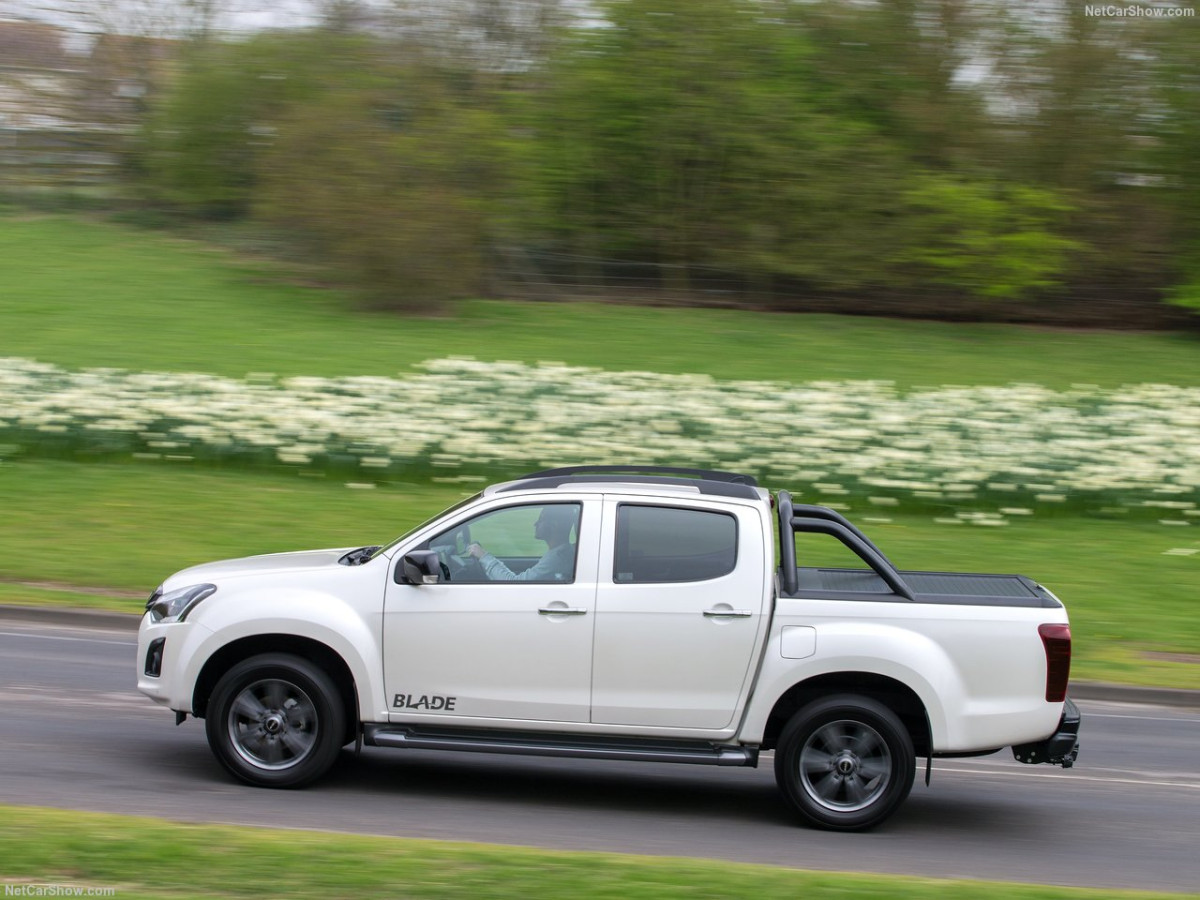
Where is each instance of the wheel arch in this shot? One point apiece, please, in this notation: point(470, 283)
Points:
point(320, 654)
point(895, 695)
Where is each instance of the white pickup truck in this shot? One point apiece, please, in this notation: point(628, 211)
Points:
point(616, 613)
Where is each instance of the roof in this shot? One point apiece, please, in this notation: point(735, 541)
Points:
point(702, 481)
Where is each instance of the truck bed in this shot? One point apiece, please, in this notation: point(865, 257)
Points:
point(882, 580)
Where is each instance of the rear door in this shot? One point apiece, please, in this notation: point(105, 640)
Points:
point(679, 611)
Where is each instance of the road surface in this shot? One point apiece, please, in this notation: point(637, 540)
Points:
point(75, 734)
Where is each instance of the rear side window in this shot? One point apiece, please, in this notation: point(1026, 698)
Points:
point(657, 544)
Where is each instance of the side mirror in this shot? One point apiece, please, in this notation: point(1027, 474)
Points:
point(419, 567)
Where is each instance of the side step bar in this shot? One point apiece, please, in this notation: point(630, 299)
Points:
point(575, 746)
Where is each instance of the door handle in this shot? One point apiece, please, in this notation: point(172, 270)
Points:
point(728, 613)
point(561, 611)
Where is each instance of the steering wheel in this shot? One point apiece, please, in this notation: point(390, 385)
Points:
point(456, 563)
point(462, 568)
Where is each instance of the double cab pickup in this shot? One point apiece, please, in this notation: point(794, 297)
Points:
point(644, 614)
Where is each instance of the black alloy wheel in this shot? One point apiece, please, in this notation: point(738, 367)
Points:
point(276, 720)
point(845, 763)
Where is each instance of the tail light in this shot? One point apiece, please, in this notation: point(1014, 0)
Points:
point(1057, 641)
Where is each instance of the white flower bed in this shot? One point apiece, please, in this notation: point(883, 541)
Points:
point(828, 441)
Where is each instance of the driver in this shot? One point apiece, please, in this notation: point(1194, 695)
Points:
point(557, 564)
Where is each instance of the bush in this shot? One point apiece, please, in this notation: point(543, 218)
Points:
point(202, 146)
point(391, 187)
point(995, 241)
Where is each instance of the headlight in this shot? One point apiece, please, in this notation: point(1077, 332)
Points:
point(174, 606)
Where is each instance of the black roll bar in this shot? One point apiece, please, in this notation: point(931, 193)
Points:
point(822, 520)
point(787, 542)
point(824, 512)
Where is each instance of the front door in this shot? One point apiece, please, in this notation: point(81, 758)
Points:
point(507, 633)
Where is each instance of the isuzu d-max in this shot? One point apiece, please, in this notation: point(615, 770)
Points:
point(653, 614)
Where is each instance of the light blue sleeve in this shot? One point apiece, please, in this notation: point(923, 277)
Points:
point(555, 566)
point(496, 570)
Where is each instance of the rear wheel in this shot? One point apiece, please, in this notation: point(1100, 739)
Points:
point(276, 720)
point(845, 762)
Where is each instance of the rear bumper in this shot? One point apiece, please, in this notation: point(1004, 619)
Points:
point(1061, 748)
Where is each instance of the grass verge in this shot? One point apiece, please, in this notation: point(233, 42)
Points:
point(149, 858)
point(126, 527)
point(82, 293)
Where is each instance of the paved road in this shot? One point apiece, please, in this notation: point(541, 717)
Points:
point(75, 734)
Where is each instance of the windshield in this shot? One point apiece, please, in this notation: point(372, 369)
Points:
point(459, 505)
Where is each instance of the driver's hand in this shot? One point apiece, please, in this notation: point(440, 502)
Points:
point(476, 551)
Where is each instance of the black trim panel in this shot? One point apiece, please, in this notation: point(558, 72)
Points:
point(577, 746)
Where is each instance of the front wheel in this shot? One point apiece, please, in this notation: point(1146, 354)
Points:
point(276, 720)
point(845, 763)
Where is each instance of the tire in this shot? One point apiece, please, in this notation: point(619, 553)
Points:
point(276, 720)
point(845, 763)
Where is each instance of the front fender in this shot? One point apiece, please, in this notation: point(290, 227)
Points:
point(355, 635)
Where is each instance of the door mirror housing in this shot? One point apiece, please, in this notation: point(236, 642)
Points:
point(419, 567)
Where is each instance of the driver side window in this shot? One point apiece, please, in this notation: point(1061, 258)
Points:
point(535, 544)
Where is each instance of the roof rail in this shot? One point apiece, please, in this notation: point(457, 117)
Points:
point(673, 471)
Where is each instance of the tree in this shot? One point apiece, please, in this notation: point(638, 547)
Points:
point(203, 144)
point(1175, 163)
point(686, 133)
point(392, 184)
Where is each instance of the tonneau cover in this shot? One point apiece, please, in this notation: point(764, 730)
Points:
point(927, 587)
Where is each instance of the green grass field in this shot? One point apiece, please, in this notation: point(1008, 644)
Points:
point(149, 858)
point(126, 527)
point(79, 293)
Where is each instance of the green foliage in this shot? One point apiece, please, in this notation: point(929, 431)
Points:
point(994, 241)
point(1186, 295)
point(687, 134)
point(818, 148)
point(1175, 162)
point(201, 145)
point(1106, 110)
point(384, 169)
point(391, 183)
